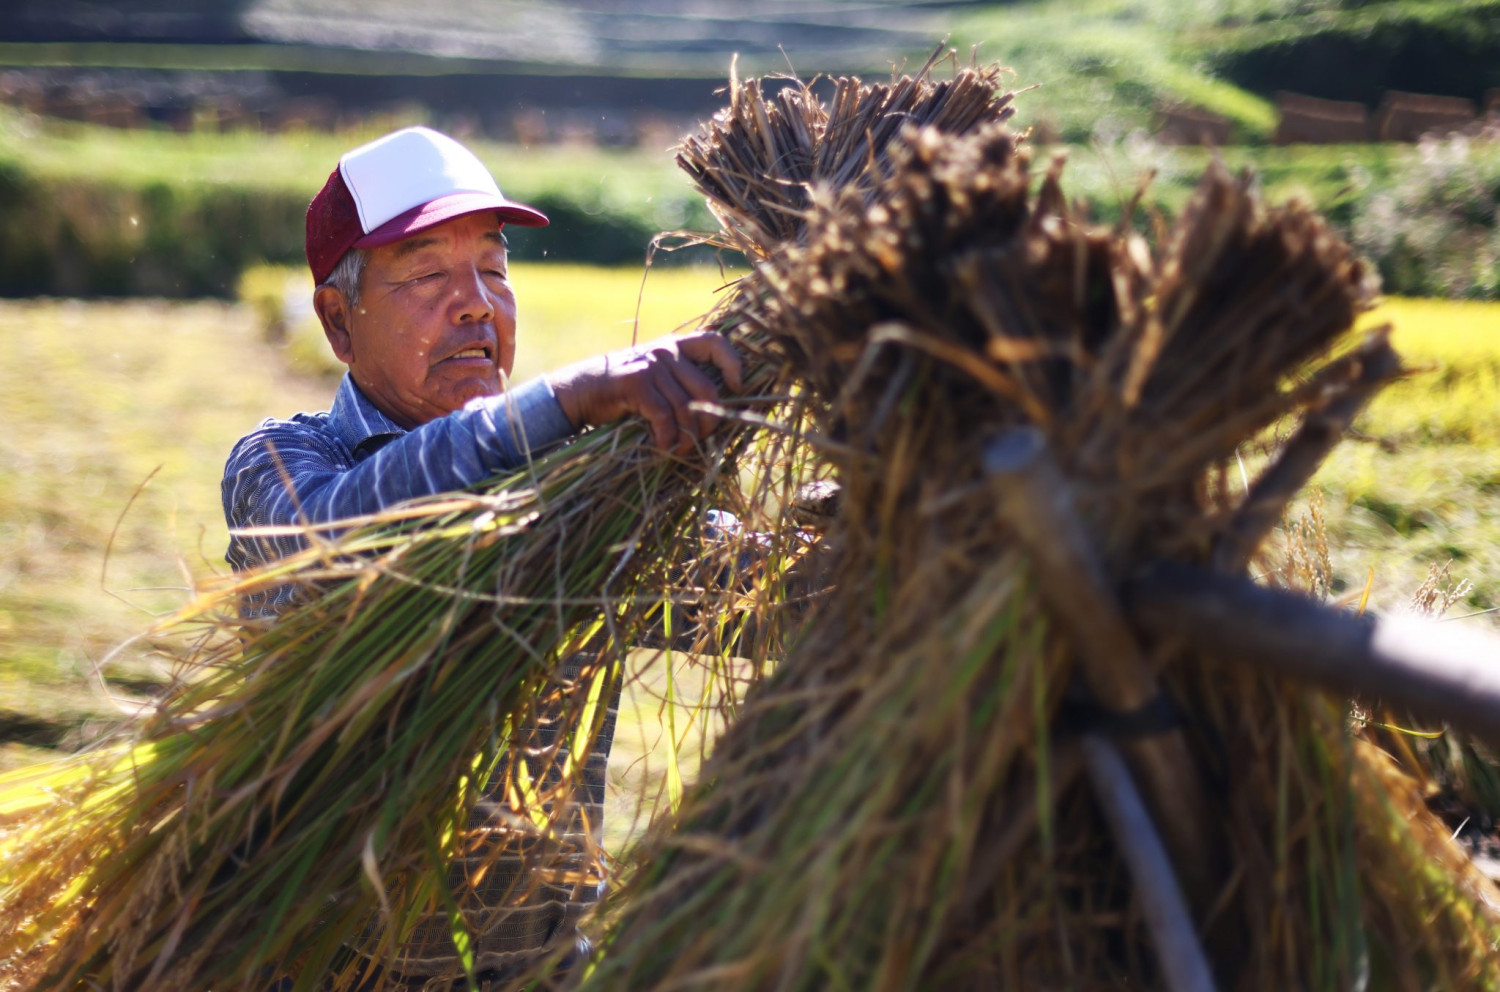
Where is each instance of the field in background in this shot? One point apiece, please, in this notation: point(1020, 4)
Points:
point(568, 312)
point(1105, 67)
point(95, 396)
point(298, 162)
point(645, 183)
point(1423, 486)
point(93, 211)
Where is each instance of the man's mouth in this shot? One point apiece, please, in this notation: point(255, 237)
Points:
point(481, 353)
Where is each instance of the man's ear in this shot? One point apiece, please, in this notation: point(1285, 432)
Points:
point(333, 313)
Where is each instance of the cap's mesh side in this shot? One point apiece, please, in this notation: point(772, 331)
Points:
point(332, 226)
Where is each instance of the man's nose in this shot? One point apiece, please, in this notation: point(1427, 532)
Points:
point(472, 299)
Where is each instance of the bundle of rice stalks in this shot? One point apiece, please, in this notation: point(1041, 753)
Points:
point(900, 806)
point(301, 795)
point(295, 806)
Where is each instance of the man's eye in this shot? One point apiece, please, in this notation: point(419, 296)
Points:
point(499, 273)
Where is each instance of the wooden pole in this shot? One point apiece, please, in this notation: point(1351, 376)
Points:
point(1321, 429)
point(1035, 500)
point(1183, 963)
point(1439, 670)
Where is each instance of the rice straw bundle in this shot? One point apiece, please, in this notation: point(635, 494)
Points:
point(899, 806)
point(268, 810)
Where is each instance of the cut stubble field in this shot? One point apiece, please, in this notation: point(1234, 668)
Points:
point(118, 415)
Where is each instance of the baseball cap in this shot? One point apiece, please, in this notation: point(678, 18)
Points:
point(397, 185)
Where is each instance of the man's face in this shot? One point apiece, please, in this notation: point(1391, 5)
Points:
point(436, 321)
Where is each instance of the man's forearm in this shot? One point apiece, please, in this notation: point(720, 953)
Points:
point(280, 477)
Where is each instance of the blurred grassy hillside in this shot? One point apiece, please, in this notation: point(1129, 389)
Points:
point(93, 211)
point(1106, 67)
point(298, 162)
point(89, 210)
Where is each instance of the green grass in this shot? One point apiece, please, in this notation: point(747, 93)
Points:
point(637, 182)
point(93, 211)
point(1104, 67)
point(1107, 63)
point(142, 208)
point(1331, 177)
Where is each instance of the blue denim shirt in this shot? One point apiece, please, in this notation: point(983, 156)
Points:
point(353, 460)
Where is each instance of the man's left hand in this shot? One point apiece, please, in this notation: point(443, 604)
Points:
point(656, 381)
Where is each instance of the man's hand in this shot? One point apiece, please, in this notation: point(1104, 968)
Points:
point(656, 381)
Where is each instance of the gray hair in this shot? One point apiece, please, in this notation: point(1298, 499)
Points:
point(346, 275)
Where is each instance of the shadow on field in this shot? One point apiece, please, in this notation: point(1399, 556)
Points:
point(21, 728)
point(72, 729)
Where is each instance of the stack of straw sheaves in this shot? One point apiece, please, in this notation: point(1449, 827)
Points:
point(898, 805)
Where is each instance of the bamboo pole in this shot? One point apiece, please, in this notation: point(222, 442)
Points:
point(1035, 501)
point(1183, 963)
point(1439, 670)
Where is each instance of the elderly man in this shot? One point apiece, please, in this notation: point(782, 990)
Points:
point(406, 248)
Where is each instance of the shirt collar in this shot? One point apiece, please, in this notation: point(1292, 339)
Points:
point(356, 420)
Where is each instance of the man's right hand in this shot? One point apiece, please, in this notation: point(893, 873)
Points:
point(656, 381)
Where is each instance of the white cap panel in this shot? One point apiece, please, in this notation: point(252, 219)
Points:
point(408, 168)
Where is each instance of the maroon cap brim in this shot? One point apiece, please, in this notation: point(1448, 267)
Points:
point(446, 208)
